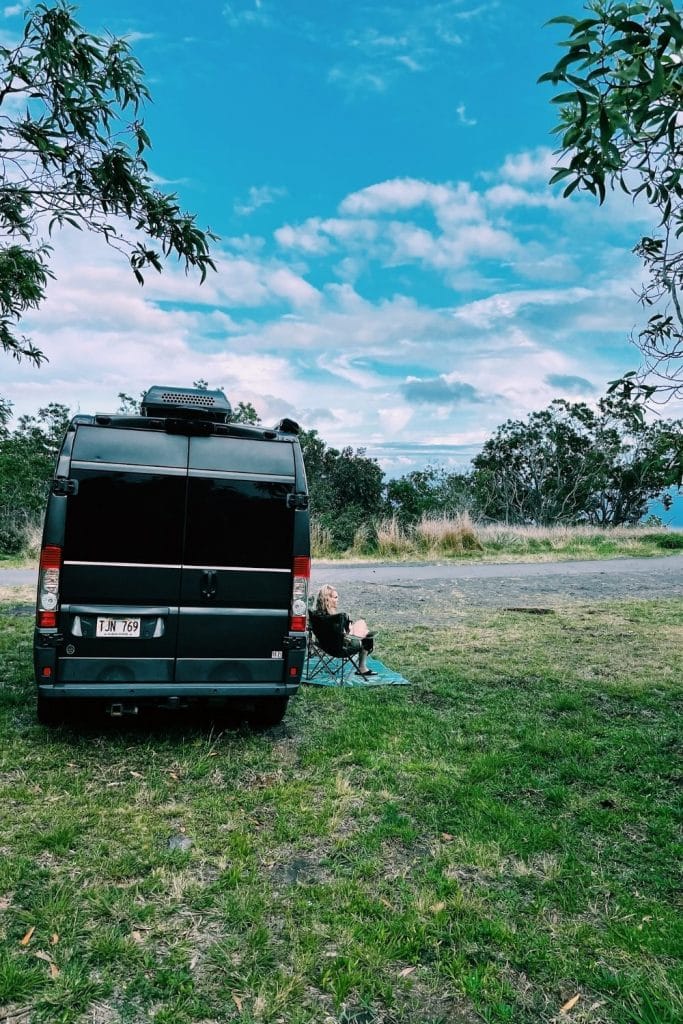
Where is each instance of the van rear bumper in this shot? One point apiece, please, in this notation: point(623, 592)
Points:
point(165, 690)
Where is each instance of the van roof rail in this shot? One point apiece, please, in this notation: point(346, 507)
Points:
point(186, 403)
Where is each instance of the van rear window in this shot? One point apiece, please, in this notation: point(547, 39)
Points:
point(238, 523)
point(242, 455)
point(130, 447)
point(126, 517)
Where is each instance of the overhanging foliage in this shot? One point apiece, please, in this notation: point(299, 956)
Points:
point(69, 156)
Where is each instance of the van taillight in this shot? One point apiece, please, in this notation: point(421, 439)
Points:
point(301, 572)
point(48, 586)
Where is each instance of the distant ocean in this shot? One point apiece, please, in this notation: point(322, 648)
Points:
point(674, 516)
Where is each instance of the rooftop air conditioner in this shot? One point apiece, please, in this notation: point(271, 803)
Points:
point(186, 403)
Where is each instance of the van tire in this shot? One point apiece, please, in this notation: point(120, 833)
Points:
point(49, 712)
point(269, 711)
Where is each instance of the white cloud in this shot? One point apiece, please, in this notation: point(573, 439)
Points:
point(509, 196)
point(290, 286)
point(409, 62)
point(395, 194)
point(395, 418)
point(533, 166)
point(469, 122)
point(307, 237)
point(316, 235)
point(250, 14)
point(506, 305)
point(259, 195)
point(138, 37)
point(356, 80)
point(13, 10)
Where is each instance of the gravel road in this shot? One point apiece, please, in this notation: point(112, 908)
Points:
point(437, 593)
point(434, 593)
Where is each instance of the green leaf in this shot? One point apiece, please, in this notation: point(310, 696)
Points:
point(605, 127)
point(562, 19)
point(566, 97)
point(563, 172)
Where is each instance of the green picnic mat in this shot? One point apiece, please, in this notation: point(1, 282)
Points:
point(384, 677)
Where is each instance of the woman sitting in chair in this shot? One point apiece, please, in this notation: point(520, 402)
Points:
point(357, 637)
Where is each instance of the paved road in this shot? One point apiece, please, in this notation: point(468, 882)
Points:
point(667, 569)
point(18, 577)
point(437, 591)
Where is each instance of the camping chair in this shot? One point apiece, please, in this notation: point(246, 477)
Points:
point(326, 643)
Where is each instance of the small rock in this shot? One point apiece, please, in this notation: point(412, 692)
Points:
point(178, 842)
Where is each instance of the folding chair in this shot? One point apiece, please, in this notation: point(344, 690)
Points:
point(328, 651)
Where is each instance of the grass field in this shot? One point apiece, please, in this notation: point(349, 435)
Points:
point(461, 538)
point(495, 843)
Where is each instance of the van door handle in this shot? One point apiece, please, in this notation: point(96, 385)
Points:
point(209, 584)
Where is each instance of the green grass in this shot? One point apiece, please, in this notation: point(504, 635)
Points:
point(17, 561)
point(482, 846)
point(460, 539)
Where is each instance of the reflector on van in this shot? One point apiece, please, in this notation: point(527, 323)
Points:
point(186, 403)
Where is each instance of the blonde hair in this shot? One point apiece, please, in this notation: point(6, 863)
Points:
point(323, 600)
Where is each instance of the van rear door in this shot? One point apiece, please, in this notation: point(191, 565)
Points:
point(121, 573)
point(237, 565)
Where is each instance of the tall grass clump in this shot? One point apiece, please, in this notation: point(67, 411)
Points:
point(392, 539)
point(364, 540)
point(322, 545)
point(448, 535)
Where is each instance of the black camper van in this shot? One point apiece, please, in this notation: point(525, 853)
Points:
point(175, 562)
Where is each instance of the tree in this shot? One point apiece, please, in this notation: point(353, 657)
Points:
point(430, 491)
point(570, 464)
point(69, 157)
point(345, 487)
point(620, 125)
point(27, 459)
point(244, 412)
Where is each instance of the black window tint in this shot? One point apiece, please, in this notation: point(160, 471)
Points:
point(242, 455)
point(238, 523)
point(132, 447)
point(126, 517)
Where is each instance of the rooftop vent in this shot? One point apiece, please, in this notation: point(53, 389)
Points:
point(186, 403)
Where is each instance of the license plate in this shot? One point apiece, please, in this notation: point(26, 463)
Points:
point(118, 628)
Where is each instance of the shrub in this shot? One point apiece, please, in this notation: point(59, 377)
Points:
point(18, 531)
point(670, 541)
point(448, 535)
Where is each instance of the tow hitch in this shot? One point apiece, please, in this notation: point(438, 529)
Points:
point(119, 710)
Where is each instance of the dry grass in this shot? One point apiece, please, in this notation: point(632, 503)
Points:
point(459, 535)
point(33, 535)
point(391, 538)
point(559, 536)
point(448, 535)
point(321, 541)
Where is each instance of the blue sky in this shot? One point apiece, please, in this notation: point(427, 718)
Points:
point(393, 269)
